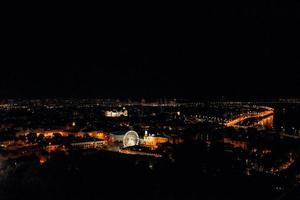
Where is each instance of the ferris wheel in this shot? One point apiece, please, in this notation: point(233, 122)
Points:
point(131, 138)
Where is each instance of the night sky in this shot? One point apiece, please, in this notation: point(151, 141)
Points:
point(212, 48)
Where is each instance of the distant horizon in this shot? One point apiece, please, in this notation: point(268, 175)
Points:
point(151, 99)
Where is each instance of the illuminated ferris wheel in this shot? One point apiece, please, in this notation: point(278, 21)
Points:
point(131, 138)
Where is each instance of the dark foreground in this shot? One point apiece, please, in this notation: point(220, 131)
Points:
point(105, 175)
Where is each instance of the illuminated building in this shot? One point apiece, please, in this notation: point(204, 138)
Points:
point(50, 133)
point(131, 138)
point(115, 113)
point(154, 141)
point(98, 135)
point(88, 145)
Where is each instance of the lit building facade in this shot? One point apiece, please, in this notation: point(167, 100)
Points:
point(116, 113)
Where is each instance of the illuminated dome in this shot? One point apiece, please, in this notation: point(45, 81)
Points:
point(131, 138)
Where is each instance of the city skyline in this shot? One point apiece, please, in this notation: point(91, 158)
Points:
point(252, 146)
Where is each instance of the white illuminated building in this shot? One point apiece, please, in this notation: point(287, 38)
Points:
point(115, 113)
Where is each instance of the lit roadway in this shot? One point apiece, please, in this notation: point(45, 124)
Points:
point(233, 123)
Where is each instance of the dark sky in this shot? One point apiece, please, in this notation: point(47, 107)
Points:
point(119, 48)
